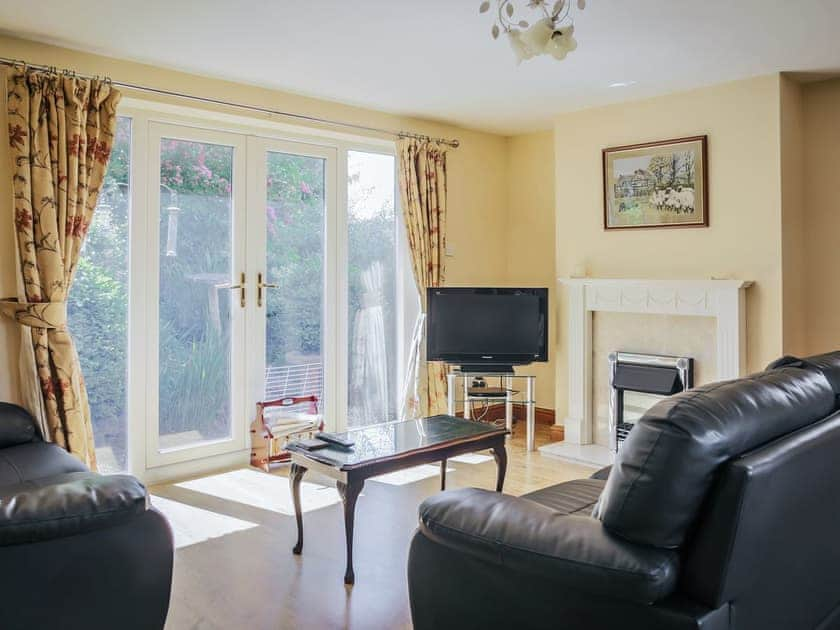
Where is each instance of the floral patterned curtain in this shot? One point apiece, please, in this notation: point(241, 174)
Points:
point(422, 177)
point(61, 129)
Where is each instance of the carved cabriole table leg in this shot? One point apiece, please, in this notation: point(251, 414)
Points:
point(295, 475)
point(349, 493)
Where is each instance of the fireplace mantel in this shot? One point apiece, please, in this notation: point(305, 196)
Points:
point(721, 299)
point(671, 297)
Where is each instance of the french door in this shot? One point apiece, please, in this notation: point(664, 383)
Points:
point(277, 271)
point(197, 293)
point(294, 251)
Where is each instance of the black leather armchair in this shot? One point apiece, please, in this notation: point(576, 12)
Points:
point(720, 512)
point(77, 549)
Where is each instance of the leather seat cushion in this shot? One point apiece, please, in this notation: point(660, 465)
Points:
point(66, 505)
point(569, 551)
point(667, 465)
point(33, 461)
point(601, 474)
point(572, 497)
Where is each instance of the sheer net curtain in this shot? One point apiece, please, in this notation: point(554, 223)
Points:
point(61, 130)
point(422, 183)
point(368, 359)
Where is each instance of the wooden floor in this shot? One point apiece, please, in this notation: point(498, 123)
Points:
point(248, 577)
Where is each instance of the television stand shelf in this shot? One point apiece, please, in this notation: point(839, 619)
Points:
point(506, 379)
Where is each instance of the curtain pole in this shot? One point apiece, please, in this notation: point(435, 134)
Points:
point(454, 143)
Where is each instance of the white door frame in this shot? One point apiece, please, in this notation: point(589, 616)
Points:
point(244, 134)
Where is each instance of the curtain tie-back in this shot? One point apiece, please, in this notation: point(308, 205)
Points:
point(36, 314)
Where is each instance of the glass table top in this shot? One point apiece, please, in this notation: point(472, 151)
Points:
point(383, 441)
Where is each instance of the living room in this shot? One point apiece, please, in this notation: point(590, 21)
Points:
point(478, 264)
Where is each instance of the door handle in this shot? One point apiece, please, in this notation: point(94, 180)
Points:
point(240, 286)
point(260, 286)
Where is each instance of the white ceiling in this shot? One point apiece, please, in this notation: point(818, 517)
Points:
point(435, 58)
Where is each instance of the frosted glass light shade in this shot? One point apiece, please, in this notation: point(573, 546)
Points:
point(536, 37)
point(519, 49)
point(561, 43)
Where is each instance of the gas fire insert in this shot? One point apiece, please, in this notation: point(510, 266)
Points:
point(639, 381)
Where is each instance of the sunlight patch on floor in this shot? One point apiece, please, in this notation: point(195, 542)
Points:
point(191, 525)
point(410, 475)
point(471, 458)
point(263, 491)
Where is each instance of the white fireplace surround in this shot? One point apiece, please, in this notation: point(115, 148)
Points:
point(721, 299)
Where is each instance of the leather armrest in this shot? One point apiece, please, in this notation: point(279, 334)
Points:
point(16, 426)
point(523, 536)
point(66, 505)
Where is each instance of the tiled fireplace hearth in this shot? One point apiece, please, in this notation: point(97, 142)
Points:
point(721, 300)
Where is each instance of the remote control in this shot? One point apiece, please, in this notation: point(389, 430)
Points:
point(333, 438)
point(310, 444)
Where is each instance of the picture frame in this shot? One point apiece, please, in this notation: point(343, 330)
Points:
point(661, 184)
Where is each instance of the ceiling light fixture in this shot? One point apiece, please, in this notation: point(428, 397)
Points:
point(620, 84)
point(552, 34)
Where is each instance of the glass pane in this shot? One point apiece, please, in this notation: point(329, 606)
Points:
point(636, 404)
point(97, 308)
point(295, 222)
point(196, 214)
point(372, 275)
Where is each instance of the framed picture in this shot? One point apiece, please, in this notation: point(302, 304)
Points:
point(656, 184)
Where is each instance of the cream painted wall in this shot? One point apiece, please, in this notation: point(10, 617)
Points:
point(477, 170)
point(744, 240)
point(792, 129)
point(821, 104)
point(530, 236)
point(526, 209)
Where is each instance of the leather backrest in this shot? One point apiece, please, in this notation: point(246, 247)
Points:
point(36, 460)
point(829, 364)
point(767, 538)
point(16, 426)
point(667, 465)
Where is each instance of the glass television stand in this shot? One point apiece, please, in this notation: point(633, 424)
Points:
point(505, 393)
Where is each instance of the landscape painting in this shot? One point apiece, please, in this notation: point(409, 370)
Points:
point(657, 184)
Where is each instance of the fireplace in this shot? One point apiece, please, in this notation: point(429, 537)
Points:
point(722, 300)
point(639, 381)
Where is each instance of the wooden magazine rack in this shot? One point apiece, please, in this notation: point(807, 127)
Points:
point(269, 433)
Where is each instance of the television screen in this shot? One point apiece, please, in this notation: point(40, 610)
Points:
point(490, 326)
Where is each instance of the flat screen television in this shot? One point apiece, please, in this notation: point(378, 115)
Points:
point(482, 328)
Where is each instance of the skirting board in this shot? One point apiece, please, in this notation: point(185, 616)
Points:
point(557, 433)
point(496, 411)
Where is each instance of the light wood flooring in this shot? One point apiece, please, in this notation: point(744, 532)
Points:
point(234, 567)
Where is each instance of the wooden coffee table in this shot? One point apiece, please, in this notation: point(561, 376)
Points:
point(384, 448)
